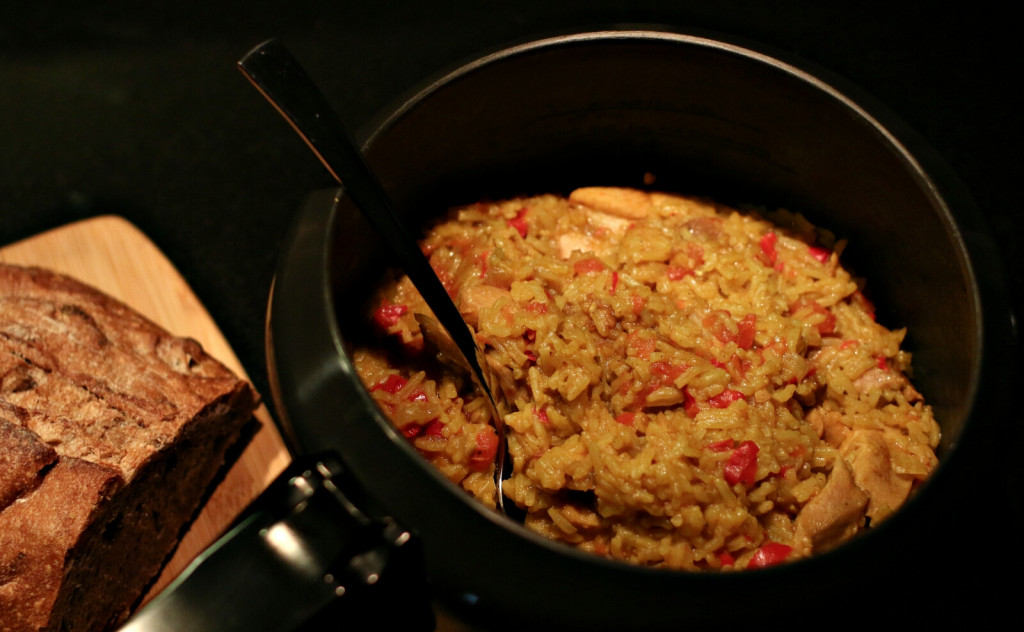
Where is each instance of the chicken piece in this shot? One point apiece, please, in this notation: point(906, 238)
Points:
point(580, 517)
point(887, 378)
point(835, 513)
point(706, 228)
point(606, 231)
point(613, 224)
point(600, 236)
point(569, 243)
point(476, 297)
point(618, 201)
point(879, 378)
point(867, 452)
point(829, 426)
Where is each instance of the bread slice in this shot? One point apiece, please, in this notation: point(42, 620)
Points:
point(111, 433)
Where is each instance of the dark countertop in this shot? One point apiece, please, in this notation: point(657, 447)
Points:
point(142, 113)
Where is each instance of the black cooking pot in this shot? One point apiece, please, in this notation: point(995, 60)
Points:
point(705, 117)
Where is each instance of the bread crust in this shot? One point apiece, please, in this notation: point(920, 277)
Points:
point(111, 431)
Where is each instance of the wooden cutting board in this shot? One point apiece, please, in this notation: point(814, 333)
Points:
point(113, 256)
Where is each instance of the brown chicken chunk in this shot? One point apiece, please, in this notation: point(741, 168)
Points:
point(868, 454)
point(835, 513)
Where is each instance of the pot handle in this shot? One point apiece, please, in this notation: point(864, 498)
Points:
point(302, 556)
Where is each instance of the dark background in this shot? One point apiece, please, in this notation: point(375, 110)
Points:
point(142, 113)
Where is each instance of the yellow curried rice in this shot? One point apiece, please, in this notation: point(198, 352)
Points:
point(693, 387)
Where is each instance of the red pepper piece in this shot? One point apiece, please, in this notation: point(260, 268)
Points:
point(725, 398)
point(391, 384)
point(882, 362)
point(803, 308)
point(486, 448)
point(519, 222)
point(678, 273)
point(387, 315)
point(543, 416)
point(667, 371)
point(767, 244)
point(588, 265)
point(741, 467)
point(638, 303)
point(770, 554)
point(726, 558)
point(411, 431)
point(626, 418)
point(820, 254)
point(394, 383)
point(615, 280)
point(718, 322)
point(747, 329)
point(662, 373)
point(690, 404)
point(434, 428)
point(639, 346)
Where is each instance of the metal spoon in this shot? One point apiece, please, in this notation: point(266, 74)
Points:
point(280, 78)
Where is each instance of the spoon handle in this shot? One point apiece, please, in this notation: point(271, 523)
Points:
point(281, 79)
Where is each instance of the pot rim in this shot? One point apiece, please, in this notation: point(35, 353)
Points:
point(958, 213)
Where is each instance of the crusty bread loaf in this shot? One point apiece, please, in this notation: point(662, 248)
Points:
point(111, 432)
